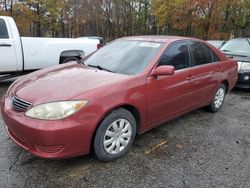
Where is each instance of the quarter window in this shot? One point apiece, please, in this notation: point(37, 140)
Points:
point(3, 30)
point(177, 55)
point(202, 54)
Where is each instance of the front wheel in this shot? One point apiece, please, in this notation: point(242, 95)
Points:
point(115, 135)
point(218, 99)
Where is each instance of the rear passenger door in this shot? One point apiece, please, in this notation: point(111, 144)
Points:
point(205, 73)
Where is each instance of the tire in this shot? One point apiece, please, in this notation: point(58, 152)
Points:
point(68, 59)
point(218, 99)
point(117, 130)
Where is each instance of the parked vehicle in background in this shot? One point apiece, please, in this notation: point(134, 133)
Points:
point(239, 49)
point(20, 54)
point(100, 39)
point(217, 43)
point(125, 88)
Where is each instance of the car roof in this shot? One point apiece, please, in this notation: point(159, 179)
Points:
point(157, 38)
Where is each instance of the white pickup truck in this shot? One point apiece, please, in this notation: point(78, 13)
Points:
point(23, 54)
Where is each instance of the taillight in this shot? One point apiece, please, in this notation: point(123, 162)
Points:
point(99, 45)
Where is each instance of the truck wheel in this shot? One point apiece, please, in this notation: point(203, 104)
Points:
point(115, 135)
point(68, 59)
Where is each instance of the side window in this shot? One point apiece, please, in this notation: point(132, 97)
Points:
point(202, 54)
point(177, 55)
point(3, 30)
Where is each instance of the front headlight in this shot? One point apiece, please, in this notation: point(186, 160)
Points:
point(55, 110)
point(244, 65)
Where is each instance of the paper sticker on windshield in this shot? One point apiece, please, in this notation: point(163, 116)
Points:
point(150, 44)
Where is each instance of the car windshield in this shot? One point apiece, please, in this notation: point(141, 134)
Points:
point(124, 56)
point(237, 46)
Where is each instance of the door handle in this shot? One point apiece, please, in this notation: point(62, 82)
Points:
point(189, 77)
point(5, 45)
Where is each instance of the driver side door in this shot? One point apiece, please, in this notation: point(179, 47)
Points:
point(170, 95)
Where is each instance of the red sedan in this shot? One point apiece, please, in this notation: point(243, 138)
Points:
point(126, 88)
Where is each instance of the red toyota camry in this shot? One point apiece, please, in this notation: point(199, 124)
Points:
point(126, 88)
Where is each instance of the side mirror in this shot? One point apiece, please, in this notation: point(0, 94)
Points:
point(163, 70)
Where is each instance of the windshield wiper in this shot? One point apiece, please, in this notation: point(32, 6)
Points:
point(100, 68)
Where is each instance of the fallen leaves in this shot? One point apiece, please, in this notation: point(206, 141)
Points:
point(179, 146)
point(162, 143)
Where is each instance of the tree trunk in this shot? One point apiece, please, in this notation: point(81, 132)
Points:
point(5, 5)
point(11, 7)
point(39, 32)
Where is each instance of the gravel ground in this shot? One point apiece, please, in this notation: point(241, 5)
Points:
point(199, 149)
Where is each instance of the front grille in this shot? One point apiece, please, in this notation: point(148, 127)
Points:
point(240, 77)
point(19, 104)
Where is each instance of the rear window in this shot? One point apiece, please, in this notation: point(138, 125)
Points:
point(3, 30)
point(202, 54)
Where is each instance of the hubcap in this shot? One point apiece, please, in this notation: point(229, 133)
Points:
point(117, 136)
point(219, 97)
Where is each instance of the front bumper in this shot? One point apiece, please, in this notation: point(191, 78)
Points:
point(243, 80)
point(48, 139)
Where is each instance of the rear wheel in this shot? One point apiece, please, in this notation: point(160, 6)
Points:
point(68, 59)
point(115, 135)
point(218, 99)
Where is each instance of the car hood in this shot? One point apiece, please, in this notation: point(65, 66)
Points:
point(238, 56)
point(63, 83)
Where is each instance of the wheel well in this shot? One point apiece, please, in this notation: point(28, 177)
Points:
point(71, 53)
point(133, 110)
point(225, 82)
